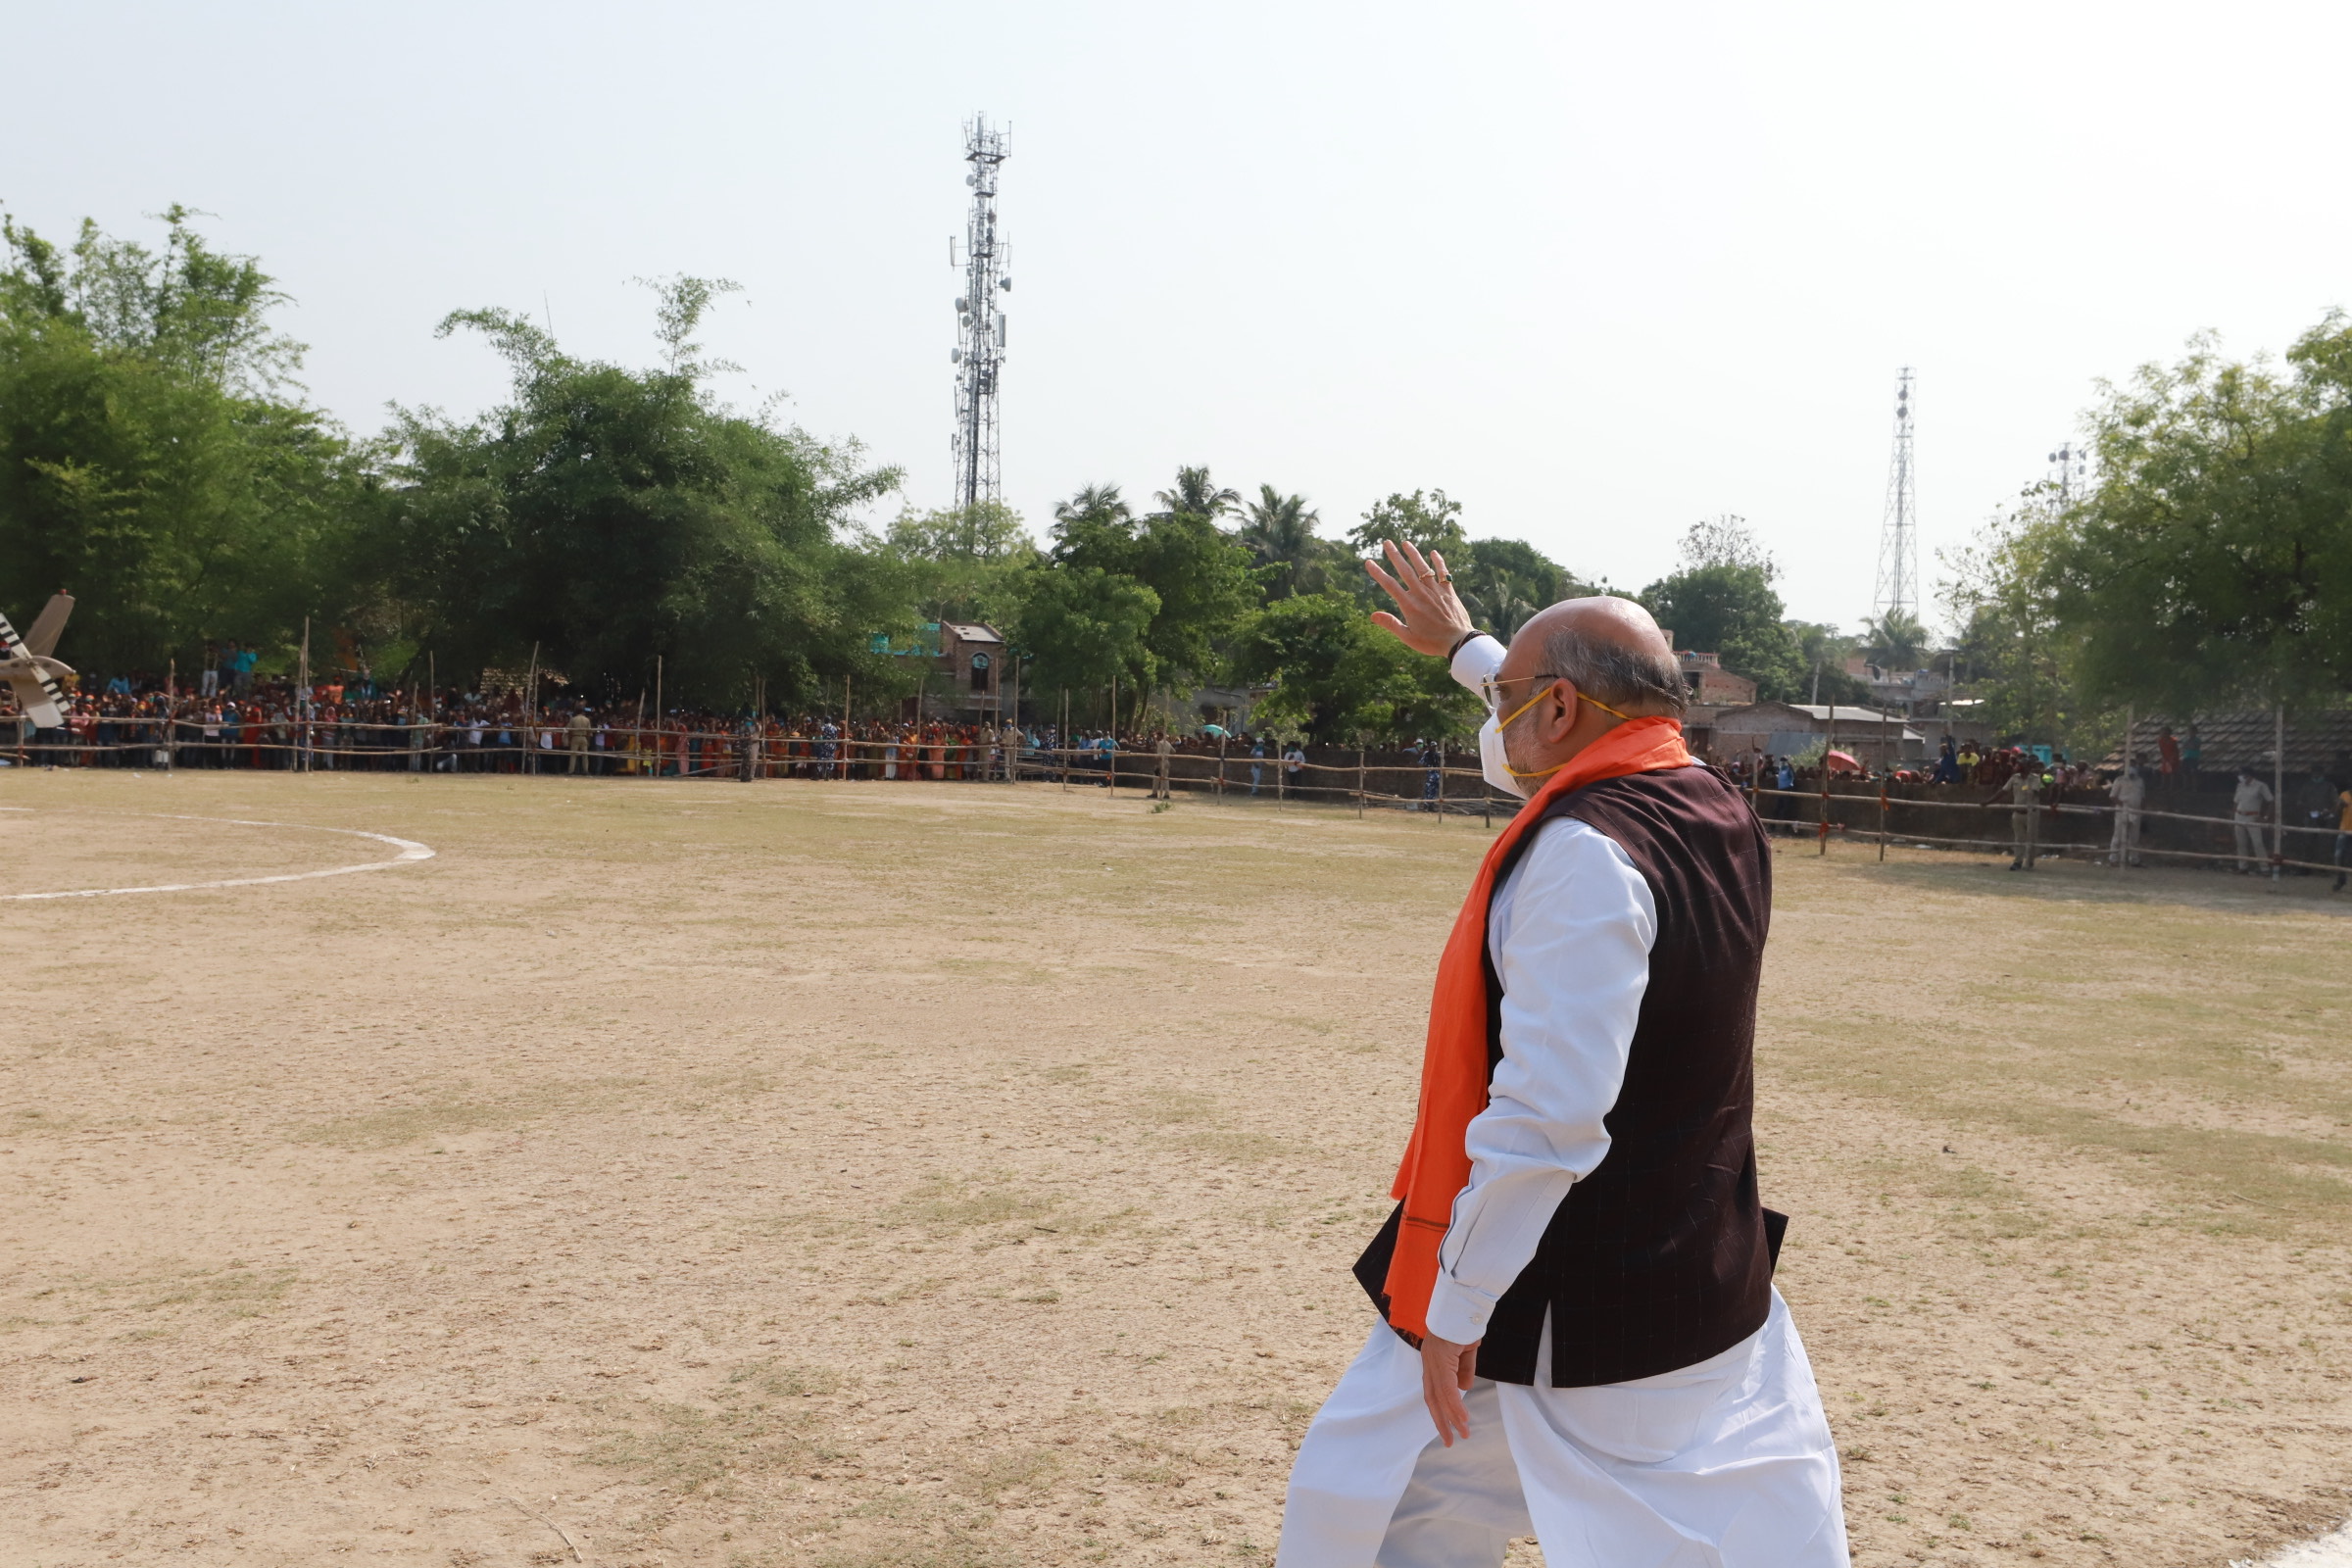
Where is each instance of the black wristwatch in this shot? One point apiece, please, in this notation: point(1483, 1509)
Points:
point(1475, 631)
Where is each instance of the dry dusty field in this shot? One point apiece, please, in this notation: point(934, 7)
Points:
point(947, 1176)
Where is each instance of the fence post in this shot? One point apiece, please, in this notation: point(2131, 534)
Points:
point(2278, 791)
point(1360, 783)
point(2032, 813)
point(1882, 818)
point(1829, 744)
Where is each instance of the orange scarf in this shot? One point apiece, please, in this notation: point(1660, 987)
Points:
point(1453, 1061)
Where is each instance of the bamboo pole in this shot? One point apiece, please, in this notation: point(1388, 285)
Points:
point(530, 715)
point(2277, 788)
point(1360, 783)
point(302, 701)
point(660, 735)
point(1829, 744)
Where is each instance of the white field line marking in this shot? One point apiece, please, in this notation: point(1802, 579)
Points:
point(410, 850)
point(2329, 1552)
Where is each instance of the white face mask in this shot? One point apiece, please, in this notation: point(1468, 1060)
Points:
point(1494, 762)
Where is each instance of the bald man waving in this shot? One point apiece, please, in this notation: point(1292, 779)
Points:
point(1582, 1342)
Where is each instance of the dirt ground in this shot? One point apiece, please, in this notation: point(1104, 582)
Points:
point(947, 1176)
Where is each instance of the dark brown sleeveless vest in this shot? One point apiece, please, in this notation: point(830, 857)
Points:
point(1663, 1255)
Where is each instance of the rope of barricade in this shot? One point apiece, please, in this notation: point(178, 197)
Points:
point(2269, 857)
point(443, 746)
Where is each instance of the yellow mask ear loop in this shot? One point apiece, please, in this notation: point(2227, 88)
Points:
point(1505, 723)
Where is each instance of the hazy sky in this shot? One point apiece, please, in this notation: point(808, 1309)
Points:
point(1596, 270)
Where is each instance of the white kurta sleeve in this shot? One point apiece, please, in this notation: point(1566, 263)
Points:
point(1570, 932)
point(1476, 660)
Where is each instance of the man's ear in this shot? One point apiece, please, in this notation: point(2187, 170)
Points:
point(1564, 721)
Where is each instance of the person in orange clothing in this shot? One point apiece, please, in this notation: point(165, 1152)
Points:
point(1577, 1337)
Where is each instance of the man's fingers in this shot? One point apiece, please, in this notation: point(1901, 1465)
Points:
point(1390, 585)
point(1408, 555)
point(1446, 1411)
point(1388, 622)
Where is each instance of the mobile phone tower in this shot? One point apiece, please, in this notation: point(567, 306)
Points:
point(979, 354)
point(1899, 535)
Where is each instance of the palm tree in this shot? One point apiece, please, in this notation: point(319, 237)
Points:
point(1279, 532)
point(1896, 640)
point(1198, 495)
point(1094, 503)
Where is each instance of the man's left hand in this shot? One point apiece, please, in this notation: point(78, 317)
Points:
point(1447, 1370)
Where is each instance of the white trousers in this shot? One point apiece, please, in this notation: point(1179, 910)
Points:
point(1727, 1463)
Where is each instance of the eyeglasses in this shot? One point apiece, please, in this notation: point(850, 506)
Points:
point(1491, 688)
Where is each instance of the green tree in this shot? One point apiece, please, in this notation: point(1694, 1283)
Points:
point(2011, 656)
point(964, 562)
point(2212, 559)
point(153, 458)
point(1721, 601)
point(1279, 532)
point(1897, 640)
point(1202, 581)
point(609, 515)
point(1429, 523)
point(1196, 494)
point(1336, 676)
point(1081, 627)
point(1821, 651)
point(1505, 581)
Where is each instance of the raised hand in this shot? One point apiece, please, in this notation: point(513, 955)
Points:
point(1431, 618)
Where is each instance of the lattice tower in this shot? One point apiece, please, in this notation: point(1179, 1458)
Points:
point(1899, 535)
point(2070, 473)
point(979, 354)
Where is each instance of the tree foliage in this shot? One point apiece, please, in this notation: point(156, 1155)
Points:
point(1428, 523)
point(153, 460)
point(964, 562)
point(1201, 581)
point(1279, 532)
point(1337, 677)
point(2212, 559)
point(2011, 653)
point(158, 460)
point(607, 516)
point(1896, 640)
point(1505, 581)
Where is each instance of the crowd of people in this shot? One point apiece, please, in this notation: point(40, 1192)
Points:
point(1957, 761)
point(233, 721)
point(238, 723)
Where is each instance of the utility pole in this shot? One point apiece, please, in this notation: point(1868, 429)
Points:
point(979, 353)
